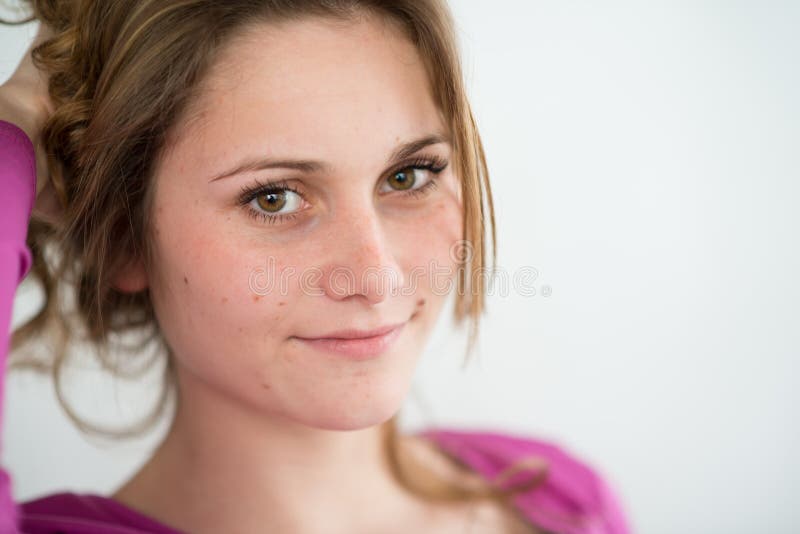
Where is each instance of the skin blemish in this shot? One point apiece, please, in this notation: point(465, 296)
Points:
point(265, 385)
point(256, 298)
point(224, 300)
point(281, 304)
point(185, 280)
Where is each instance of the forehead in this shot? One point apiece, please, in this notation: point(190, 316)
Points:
point(312, 86)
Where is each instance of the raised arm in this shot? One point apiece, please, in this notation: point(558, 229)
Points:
point(24, 106)
point(17, 193)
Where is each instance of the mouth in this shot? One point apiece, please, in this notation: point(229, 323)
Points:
point(356, 344)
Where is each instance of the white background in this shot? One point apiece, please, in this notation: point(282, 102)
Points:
point(645, 158)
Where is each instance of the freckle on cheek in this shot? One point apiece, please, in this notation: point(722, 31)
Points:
point(185, 280)
point(256, 298)
point(281, 304)
point(266, 386)
point(224, 300)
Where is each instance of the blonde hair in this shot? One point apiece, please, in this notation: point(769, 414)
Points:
point(120, 75)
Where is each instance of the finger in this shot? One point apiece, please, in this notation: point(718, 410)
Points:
point(47, 207)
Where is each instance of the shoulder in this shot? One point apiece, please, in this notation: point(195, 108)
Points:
point(75, 513)
point(572, 496)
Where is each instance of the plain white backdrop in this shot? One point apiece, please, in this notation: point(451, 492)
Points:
point(645, 158)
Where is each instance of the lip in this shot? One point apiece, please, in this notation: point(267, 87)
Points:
point(358, 334)
point(356, 344)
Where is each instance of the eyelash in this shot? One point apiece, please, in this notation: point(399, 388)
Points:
point(433, 164)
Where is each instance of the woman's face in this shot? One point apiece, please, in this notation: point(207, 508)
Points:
point(241, 280)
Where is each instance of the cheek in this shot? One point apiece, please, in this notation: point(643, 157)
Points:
point(430, 248)
point(204, 295)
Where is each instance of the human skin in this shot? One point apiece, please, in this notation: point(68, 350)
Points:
point(271, 435)
point(24, 101)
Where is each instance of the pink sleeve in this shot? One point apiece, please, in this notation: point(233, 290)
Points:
point(17, 195)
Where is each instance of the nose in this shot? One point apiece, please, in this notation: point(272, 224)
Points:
point(361, 262)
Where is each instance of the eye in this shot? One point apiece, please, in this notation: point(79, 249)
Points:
point(415, 177)
point(277, 201)
point(403, 179)
point(273, 202)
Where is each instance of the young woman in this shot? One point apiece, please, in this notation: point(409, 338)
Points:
point(265, 186)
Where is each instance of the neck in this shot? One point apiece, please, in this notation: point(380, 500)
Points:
point(222, 465)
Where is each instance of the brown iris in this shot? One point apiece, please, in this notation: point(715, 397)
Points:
point(271, 202)
point(402, 180)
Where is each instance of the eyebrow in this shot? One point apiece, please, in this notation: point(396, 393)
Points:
point(400, 153)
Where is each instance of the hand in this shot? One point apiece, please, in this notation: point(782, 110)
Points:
point(25, 102)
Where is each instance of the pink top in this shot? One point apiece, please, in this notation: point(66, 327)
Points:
point(574, 499)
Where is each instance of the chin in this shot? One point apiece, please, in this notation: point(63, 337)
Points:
point(355, 413)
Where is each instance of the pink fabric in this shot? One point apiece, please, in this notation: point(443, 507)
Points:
point(573, 499)
point(17, 194)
